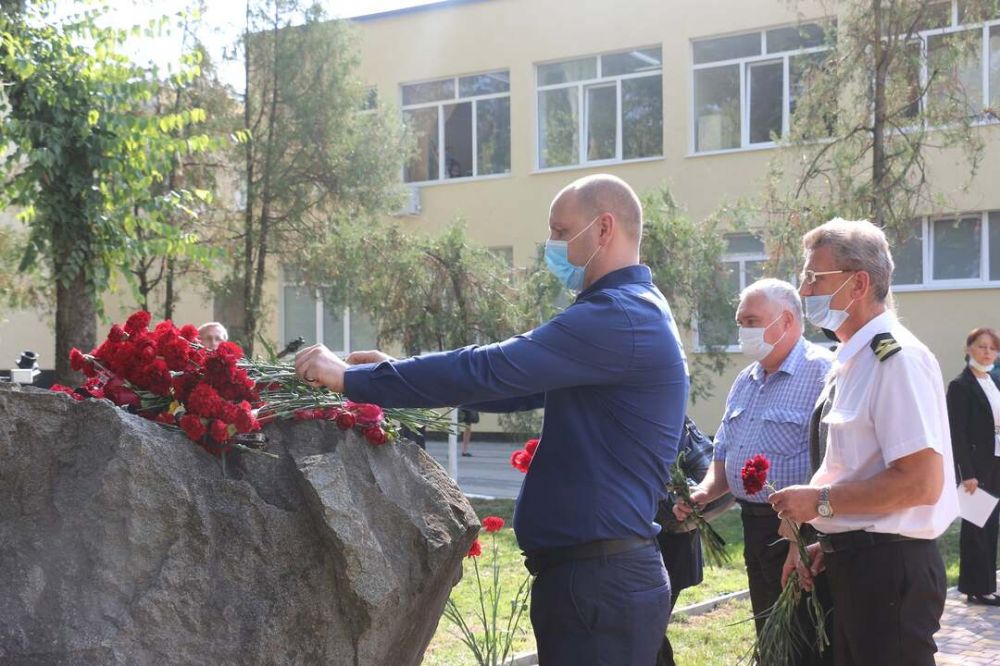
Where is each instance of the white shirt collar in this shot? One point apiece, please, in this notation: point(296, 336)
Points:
point(879, 324)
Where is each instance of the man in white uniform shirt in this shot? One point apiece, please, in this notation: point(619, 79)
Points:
point(886, 487)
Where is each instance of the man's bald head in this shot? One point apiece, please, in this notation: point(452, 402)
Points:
point(604, 193)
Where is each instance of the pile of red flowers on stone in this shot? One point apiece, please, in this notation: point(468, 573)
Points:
point(521, 459)
point(218, 397)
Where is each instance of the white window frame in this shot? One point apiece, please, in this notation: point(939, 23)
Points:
point(741, 259)
point(928, 282)
point(320, 311)
point(744, 64)
point(440, 104)
point(582, 86)
point(984, 56)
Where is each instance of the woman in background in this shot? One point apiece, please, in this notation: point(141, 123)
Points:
point(974, 414)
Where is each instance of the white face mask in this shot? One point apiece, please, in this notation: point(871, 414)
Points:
point(976, 365)
point(821, 315)
point(752, 342)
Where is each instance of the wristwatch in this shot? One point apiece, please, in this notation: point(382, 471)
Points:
point(824, 509)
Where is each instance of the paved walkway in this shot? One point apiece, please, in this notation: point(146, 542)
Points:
point(970, 634)
point(488, 472)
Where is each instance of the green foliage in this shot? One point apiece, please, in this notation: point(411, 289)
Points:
point(85, 159)
point(867, 122)
point(314, 164)
point(20, 290)
point(686, 260)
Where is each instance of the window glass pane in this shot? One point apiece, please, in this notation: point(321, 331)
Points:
point(564, 72)
point(795, 37)
point(933, 15)
point(717, 108)
point(726, 48)
point(300, 314)
point(753, 271)
point(744, 244)
point(642, 60)
point(431, 91)
point(602, 109)
point(493, 135)
point(558, 127)
point(364, 335)
point(908, 254)
point(766, 90)
point(910, 74)
point(956, 75)
point(333, 326)
point(458, 140)
point(719, 328)
point(976, 11)
point(995, 68)
point(484, 84)
point(956, 249)
point(642, 117)
point(995, 246)
point(803, 70)
point(423, 123)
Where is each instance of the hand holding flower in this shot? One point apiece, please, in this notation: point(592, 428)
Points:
point(317, 365)
point(796, 503)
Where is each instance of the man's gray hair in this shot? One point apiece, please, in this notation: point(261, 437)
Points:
point(210, 324)
point(857, 245)
point(776, 291)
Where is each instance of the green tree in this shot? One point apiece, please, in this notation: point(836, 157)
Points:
point(872, 112)
point(83, 156)
point(314, 163)
point(686, 260)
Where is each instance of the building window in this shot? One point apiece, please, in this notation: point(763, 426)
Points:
point(306, 313)
point(600, 109)
point(948, 252)
point(462, 126)
point(745, 86)
point(970, 77)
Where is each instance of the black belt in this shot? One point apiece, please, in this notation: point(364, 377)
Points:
point(757, 509)
point(537, 561)
point(857, 539)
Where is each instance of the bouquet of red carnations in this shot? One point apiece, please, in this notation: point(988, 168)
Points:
point(219, 398)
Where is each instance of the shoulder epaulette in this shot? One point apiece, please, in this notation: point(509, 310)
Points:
point(884, 346)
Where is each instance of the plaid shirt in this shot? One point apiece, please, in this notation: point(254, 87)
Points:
point(770, 415)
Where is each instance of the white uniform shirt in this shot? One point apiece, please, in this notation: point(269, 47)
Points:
point(883, 411)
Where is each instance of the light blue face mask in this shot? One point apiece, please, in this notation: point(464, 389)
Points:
point(557, 259)
point(821, 315)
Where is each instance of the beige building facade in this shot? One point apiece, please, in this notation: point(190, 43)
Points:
point(512, 99)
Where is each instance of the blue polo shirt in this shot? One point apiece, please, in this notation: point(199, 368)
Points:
point(613, 379)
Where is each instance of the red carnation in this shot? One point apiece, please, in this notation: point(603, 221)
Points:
point(204, 401)
point(366, 414)
point(230, 350)
point(346, 420)
point(59, 388)
point(375, 435)
point(137, 322)
point(189, 332)
point(492, 523)
point(475, 550)
point(520, 460)
point(77, 360)
point(530, 446)
point(165, 418)
point(117, 334)
point(754, 474)
point(245, 421)
point(193, 427)
point(219, 431)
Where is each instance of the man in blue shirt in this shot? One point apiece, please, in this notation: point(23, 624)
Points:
point(612, 377)
point(767, 412)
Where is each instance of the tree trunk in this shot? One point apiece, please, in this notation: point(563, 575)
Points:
point(168, 295)
point(881, 62)
point(76, 325)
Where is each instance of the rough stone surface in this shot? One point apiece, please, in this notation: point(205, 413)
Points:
point(123, 543)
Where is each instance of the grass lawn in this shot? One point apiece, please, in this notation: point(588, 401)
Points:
point(720, 637)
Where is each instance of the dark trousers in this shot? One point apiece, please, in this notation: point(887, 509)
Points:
point(764, 553)
point(978, 555)
point(888, 599)
point(607, 611)
point(683, 560)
